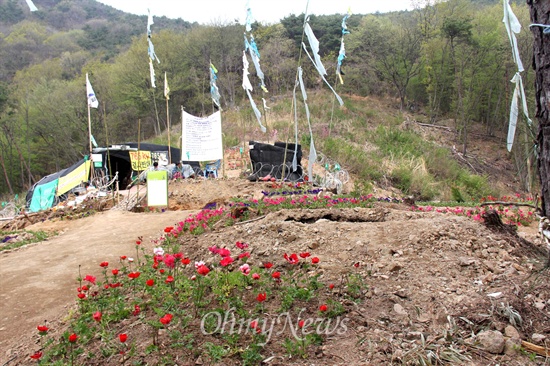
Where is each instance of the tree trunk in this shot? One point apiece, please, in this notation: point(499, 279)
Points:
point(540, 14)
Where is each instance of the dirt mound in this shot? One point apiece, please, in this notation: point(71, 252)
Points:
point(434, 282)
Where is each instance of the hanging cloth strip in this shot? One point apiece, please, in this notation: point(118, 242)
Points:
point(519, 92)
point(247, 86)
point(314, 44)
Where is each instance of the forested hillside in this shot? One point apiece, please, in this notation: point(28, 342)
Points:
point(448, 60)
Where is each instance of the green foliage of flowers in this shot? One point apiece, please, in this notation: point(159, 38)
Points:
point(179, 299)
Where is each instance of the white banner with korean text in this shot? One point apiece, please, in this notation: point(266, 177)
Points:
point(201, 137)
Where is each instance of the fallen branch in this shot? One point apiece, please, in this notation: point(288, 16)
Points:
point(539, 350)
point(251, 220)
point(509, 204)
point(435, 126)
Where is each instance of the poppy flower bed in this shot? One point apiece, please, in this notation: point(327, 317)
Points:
point(161, 304)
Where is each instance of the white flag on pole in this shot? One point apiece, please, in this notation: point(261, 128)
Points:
point(31, 5)
point(92, 100)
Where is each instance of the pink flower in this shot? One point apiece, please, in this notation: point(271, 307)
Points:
point(214, 249)
point(245, 269)
point(199, 264)
point(170, 261)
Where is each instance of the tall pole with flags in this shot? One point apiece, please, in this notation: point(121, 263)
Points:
point(92, 103)
point(167, 96)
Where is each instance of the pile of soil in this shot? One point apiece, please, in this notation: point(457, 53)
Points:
point(439, 288)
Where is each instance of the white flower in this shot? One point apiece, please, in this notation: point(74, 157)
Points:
point(158, 251)
point(130, 259)
point(198, 264)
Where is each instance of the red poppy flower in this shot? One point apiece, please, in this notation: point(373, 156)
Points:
point(97, 316)
point(115, 272)
point(304, 255)
point(169, 279)
point(90, 279)
point(314, 260)
point(36, 355)
point(106, 286)
point(244, 255)
point(253, 324)
point(133, 275)
point(168, 229)
point(115, 285)
point(292, 259)
point(331, 286)
point(241, 245)
point(166, 319)
point(161, 271)
point(123, 257)
point(255, 276)
point(123, 337)
point(268, 265)
point(178, 256)
point(73, 338)
point(185, 261)
point(356, 265)
point(224, 252)
point(138, 242)
point(261, 297)
point(81, 296)
point(276, 275)
point(84, 288)
point(301, 323)
point(203, 270)
point(42, 328)
point(224, 262)
point(150, 282)
point(104, 264)
point(323, 308)
point(137, 310)
point(155, 265)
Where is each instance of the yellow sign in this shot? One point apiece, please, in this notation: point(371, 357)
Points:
point(141, 160)
point(74, 178)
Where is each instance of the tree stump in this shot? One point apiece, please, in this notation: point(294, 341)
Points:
point(492, 220)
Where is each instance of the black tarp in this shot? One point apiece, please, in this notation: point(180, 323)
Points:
point(269, 160)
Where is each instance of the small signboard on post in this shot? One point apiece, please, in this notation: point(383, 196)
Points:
point(140, 160)
point(157, 188)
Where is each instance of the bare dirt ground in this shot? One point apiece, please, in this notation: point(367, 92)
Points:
point(435, 281)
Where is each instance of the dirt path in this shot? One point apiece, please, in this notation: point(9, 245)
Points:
point(38, 282)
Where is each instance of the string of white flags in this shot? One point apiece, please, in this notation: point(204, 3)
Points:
point(151, 49)
point(513, 27)
point(251, 47)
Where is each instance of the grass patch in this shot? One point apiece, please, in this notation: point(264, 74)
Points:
point(15, 239)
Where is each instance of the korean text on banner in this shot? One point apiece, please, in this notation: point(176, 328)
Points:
point(141, 160)
point(202, 137)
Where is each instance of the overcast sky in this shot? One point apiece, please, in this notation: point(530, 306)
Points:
point(264, 11)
